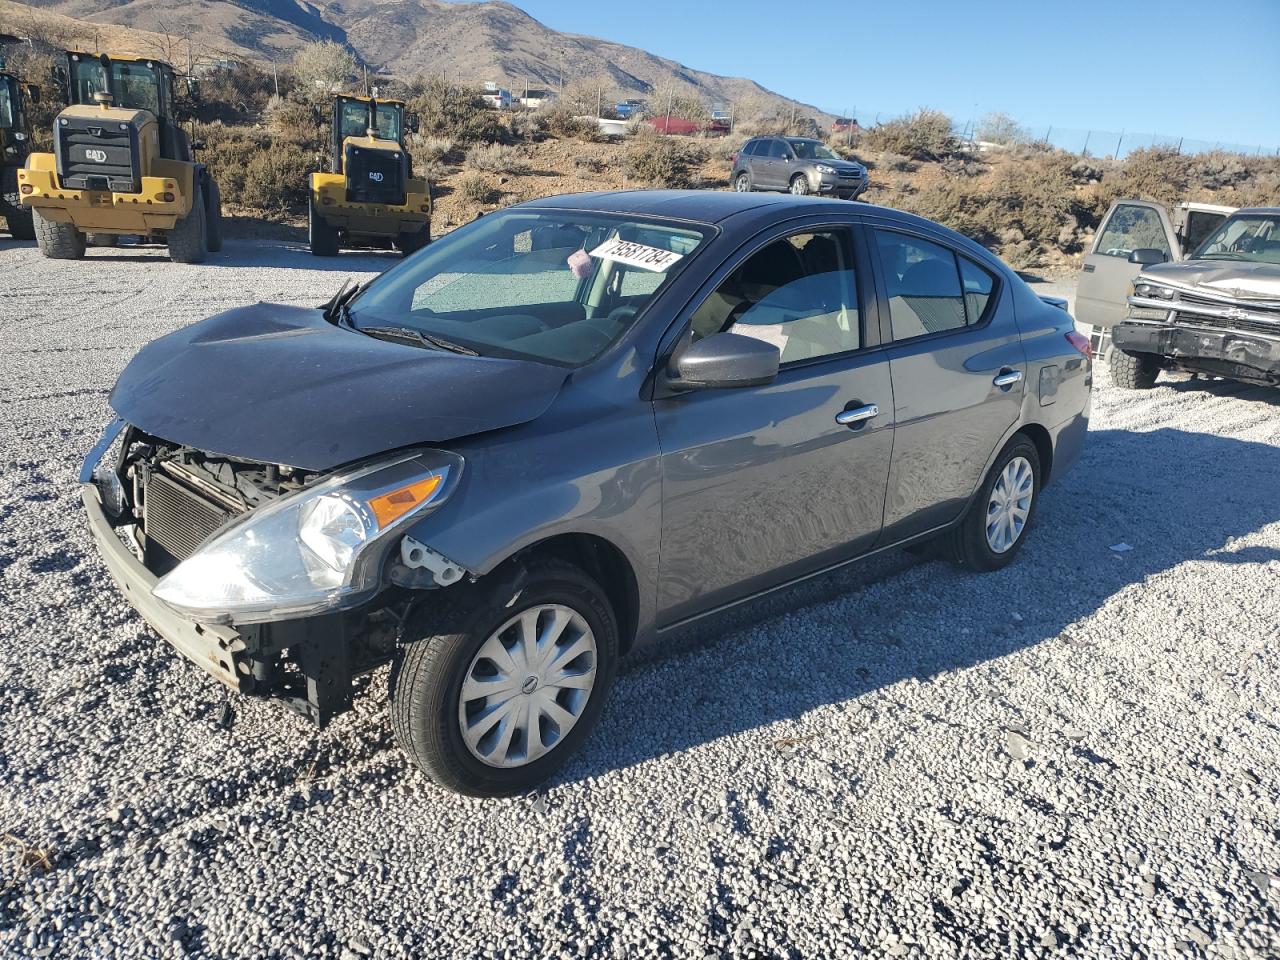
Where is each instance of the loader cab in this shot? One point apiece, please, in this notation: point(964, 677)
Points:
point(132, 83)
point(368, 149)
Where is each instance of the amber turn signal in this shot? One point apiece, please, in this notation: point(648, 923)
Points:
point(390, 507)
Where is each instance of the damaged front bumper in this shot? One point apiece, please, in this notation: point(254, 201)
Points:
point(1249, 355)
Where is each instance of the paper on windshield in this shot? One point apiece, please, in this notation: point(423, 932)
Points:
point(637, 255)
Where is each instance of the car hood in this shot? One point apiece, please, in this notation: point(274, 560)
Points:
point(280, 384)
point(1244, 281)
point(841, 164)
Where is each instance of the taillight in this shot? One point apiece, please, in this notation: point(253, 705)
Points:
point(1081, 343)
point(735, 159)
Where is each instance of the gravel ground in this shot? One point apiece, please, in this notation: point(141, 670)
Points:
point(1075, 756)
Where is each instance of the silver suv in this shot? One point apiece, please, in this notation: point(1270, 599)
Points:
point(798, 165)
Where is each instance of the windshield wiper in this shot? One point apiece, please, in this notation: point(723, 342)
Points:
point(335, 311)
point(412, 335)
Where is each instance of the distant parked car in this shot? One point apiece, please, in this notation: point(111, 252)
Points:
point(557, 434)
point(798, 165)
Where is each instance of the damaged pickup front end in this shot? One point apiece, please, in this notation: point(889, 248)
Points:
point(277, 581)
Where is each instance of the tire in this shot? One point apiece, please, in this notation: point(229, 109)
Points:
point(799, 185)
point(324, 238)
point(21, 226)
point(212, 217)
point(1134, 371)
point(102, 240)
point(742, 183)
point(969, 544)
point(411, 241)
point(58, 241)
point(188, 238)
point(428, 711)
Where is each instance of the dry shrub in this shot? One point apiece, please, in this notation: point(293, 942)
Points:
point(589, 164)
point(561, 122)
point(664, 161)
point(477, 189)
point(495, 158)
point(278, 179)
point(924, 135)
point(445, 109)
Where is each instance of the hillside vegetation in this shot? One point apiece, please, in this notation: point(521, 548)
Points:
point(1034, 206)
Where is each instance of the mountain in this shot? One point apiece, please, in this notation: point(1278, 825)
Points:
point(468, 42)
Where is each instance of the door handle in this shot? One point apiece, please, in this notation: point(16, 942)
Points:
point(1007, 378)
point(1088, 268)
point(851, 418)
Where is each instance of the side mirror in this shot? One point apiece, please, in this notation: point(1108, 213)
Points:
point(33, 93)
point(197, 144)
point(724, 360)
point(1147, 256)
point(193, 88)
point(58, 73)
point(411, 123)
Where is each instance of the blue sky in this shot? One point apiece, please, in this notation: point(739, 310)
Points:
point(1081, 64)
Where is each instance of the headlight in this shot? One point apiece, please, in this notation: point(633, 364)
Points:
point(1145, 288)
point(316, 550)
point(825, 168)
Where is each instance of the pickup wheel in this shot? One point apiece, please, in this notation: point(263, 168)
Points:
point(1134, 371)
point(188, 240)
point(323, 237)
point(505, 680)
point(996, 523)
point(57, 241)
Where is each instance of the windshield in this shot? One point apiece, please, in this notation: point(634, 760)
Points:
point(6, 103)
point(812, 150)
point(1252, 238)
point(133, 85)
point(355, 120)
point(554, 286)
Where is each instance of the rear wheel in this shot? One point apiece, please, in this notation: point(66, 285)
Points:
point(505, 683)
point(743, 183)
point(800, 185)
point(57, 241)
point(188, 238)
point(21, 226)
point(324, 238)
point(213, 217)
point(1134, 371)
point(410, 241)
point(996, 523)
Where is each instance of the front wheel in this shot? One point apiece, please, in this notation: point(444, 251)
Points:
point(1134, 371)
point(743, 183)
point(800, 185)
point(213, 216)
point(505, 682)
point(996, 523)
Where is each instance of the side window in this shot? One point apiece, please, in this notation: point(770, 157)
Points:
point(777, 150)
point(1200, 223)
point(798, 293)
point(923, 284)
point(1129, 228)
point(751, 149)
point(978, 284)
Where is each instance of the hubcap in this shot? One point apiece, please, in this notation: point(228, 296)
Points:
point(742, 184)
point(527, 686)
point(798, 186)
point(1010, 504)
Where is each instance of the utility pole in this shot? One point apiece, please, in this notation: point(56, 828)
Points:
point(275, 77)
point(1085, 151)
point(1118, 142)
point(670, 96)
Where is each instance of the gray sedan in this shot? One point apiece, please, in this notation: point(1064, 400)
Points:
point(560, 433)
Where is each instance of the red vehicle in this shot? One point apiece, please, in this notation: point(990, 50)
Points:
point(687, 128)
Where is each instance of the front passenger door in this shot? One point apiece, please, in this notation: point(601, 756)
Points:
point(763, 484)
point(1105, 276)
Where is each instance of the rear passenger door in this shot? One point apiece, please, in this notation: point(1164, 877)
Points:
point(771, 162)
point(1106, 274)
point(958, 372)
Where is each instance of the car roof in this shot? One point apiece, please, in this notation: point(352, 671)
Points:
point(699, 206)
point(1270, 211)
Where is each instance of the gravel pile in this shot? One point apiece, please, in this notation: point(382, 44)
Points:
point(1073, 756)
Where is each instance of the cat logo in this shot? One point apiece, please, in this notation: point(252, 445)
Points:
point(97, 156)
point(375, 176)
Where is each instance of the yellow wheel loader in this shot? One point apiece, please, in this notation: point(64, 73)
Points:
point(15, 144)
point(370, 199)
point(121, 165)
